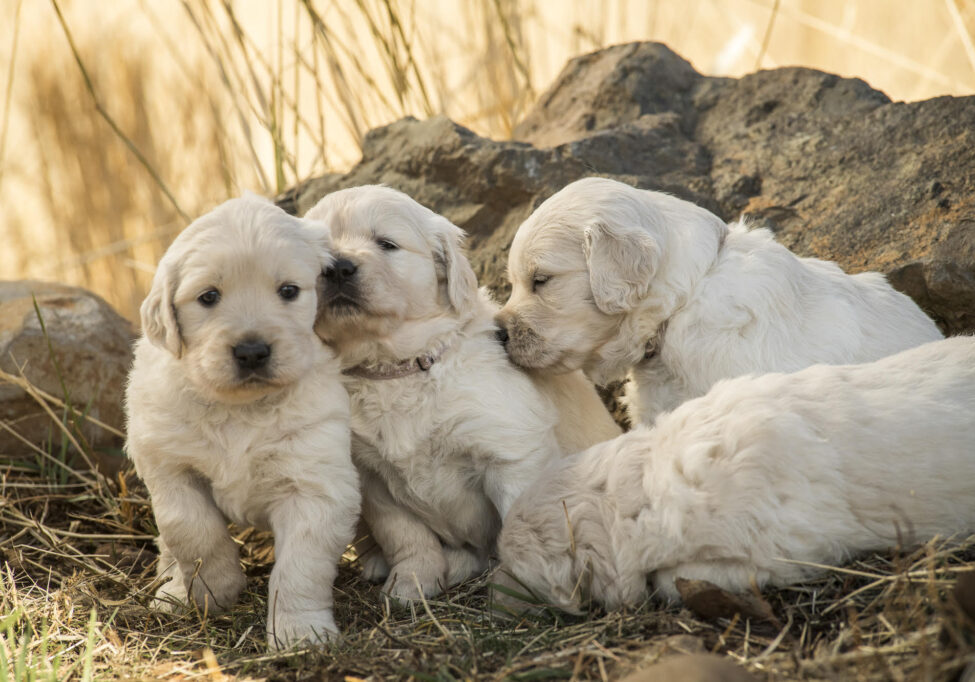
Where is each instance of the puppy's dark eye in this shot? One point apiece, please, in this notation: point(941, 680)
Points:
point(387, 245)
point(209, 298)
point(537, 281)
point(288, 292)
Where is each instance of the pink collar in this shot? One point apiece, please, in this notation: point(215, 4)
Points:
point(395, 370)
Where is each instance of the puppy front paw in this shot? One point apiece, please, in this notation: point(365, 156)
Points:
point(216, 592)
point(375, 569)
point(509, 597)
point(309, 628)
point(410, 580)
point(170, 596)
point(463, 564)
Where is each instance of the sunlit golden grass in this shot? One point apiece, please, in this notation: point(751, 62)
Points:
point(114, 127)
point(216, 96)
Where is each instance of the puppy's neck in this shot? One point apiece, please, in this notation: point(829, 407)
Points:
point(677, 283)
point(624, 350)
point(219, 407)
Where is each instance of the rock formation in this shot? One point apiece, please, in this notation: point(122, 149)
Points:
point(832, 166)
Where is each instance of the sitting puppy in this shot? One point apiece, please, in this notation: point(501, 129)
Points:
point(236, 411)
point(446, 432)
point(811, 467)
point(611, 278)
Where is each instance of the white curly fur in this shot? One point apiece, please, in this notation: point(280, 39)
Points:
point(600, 269)
point(213, 444)
point(810, 467)
point(442, 453)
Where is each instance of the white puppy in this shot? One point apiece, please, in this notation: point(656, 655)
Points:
point(811, 467)
point(611, 278)
point(236, 411)
point(446, 432)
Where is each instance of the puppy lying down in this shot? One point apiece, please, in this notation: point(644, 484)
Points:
point(619, 280)
point(236, 411)
point(446, 431)
point(812, 466)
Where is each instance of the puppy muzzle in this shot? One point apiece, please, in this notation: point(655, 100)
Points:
point(340, 287)
point(523, 344)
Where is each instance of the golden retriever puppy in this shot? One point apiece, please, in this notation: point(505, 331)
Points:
point(236, 412)
point(446, 431)
point(614, 279)
point(757, 475)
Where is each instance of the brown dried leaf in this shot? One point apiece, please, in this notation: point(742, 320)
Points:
point(709, 601)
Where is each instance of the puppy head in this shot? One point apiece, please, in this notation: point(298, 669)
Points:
point(557, 545)
point(540, 561)
point(234, 299)
point(396, 262)
point(581, 263)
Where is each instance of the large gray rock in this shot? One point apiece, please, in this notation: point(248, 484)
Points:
point(834, 167)
point(91, 347)
point(609, 88)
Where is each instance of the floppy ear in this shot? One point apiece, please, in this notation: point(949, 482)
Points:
point(158, 312)
point(461, 282)
point(320, 240)
point(621, 262)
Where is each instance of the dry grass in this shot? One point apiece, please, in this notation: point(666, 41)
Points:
point(77, 573)
point(126, 141)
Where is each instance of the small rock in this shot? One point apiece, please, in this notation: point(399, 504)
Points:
point(91, 347)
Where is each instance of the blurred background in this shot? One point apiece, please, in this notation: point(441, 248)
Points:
point(122, 120)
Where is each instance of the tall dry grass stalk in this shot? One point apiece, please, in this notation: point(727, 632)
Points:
point(155, 112)
point(109, 218)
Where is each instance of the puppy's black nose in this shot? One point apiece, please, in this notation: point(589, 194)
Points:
point(252, 354)
point(341, 269)
point(502, 336)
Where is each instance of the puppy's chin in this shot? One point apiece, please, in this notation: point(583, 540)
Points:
point(344, 322)
point(537, 356)
point(230, 388)
point(341, 312)
point(340, 307)
point(559, 363)
point(243, 392)
point(246, 393)
point(349, 325)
